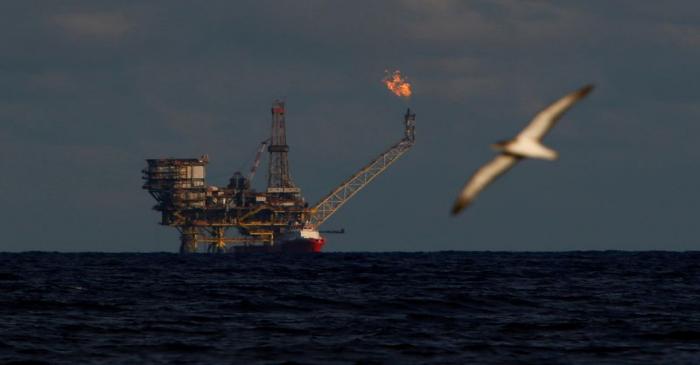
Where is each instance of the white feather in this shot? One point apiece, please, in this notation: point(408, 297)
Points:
point(482, 178)
point(526, 144)
point(545, 120)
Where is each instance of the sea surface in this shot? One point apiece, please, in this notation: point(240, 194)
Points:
point(351, 308)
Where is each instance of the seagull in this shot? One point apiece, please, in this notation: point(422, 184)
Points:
point(527, 144)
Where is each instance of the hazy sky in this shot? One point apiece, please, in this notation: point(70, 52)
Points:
point(91, 89)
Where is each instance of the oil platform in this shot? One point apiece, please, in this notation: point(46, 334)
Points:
point(275, 220)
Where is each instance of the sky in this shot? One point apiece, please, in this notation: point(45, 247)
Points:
point(92, 89)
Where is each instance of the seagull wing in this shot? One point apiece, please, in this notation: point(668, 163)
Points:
point(544, 120)
point(484, 176)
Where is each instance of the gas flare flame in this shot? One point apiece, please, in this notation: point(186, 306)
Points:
point(397, 84)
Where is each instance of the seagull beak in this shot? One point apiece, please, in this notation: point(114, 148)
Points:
point(498, 146)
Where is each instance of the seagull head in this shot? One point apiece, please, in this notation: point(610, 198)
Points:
point(501, 145)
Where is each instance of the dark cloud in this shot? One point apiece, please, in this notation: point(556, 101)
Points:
point(91, 89)
point(93, 25)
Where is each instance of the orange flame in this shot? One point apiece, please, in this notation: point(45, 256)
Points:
point(397, 84)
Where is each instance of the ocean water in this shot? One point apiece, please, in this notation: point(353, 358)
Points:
point(351, 308)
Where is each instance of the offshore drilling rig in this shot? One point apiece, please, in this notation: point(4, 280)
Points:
point(275, 220)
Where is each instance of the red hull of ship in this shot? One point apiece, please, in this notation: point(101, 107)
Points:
point(301, 245)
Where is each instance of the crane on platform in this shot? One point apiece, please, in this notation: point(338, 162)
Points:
point(329, 204)
point(256, 162)
point(243, 183)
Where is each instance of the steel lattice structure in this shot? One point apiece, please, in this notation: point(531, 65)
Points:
point(325, 208)
point(278, 179)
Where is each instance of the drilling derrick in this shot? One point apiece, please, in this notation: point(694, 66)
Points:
point(278, 179)
point(276, 220)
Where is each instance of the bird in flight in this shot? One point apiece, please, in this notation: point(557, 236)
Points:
point(527, 144)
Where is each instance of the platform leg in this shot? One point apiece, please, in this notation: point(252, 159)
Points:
point(188, 240)
point(218, 246)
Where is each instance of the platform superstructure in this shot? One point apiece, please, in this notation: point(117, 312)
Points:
point(236, 217)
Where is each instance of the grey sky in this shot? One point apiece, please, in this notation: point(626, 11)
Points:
point(91, 89)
